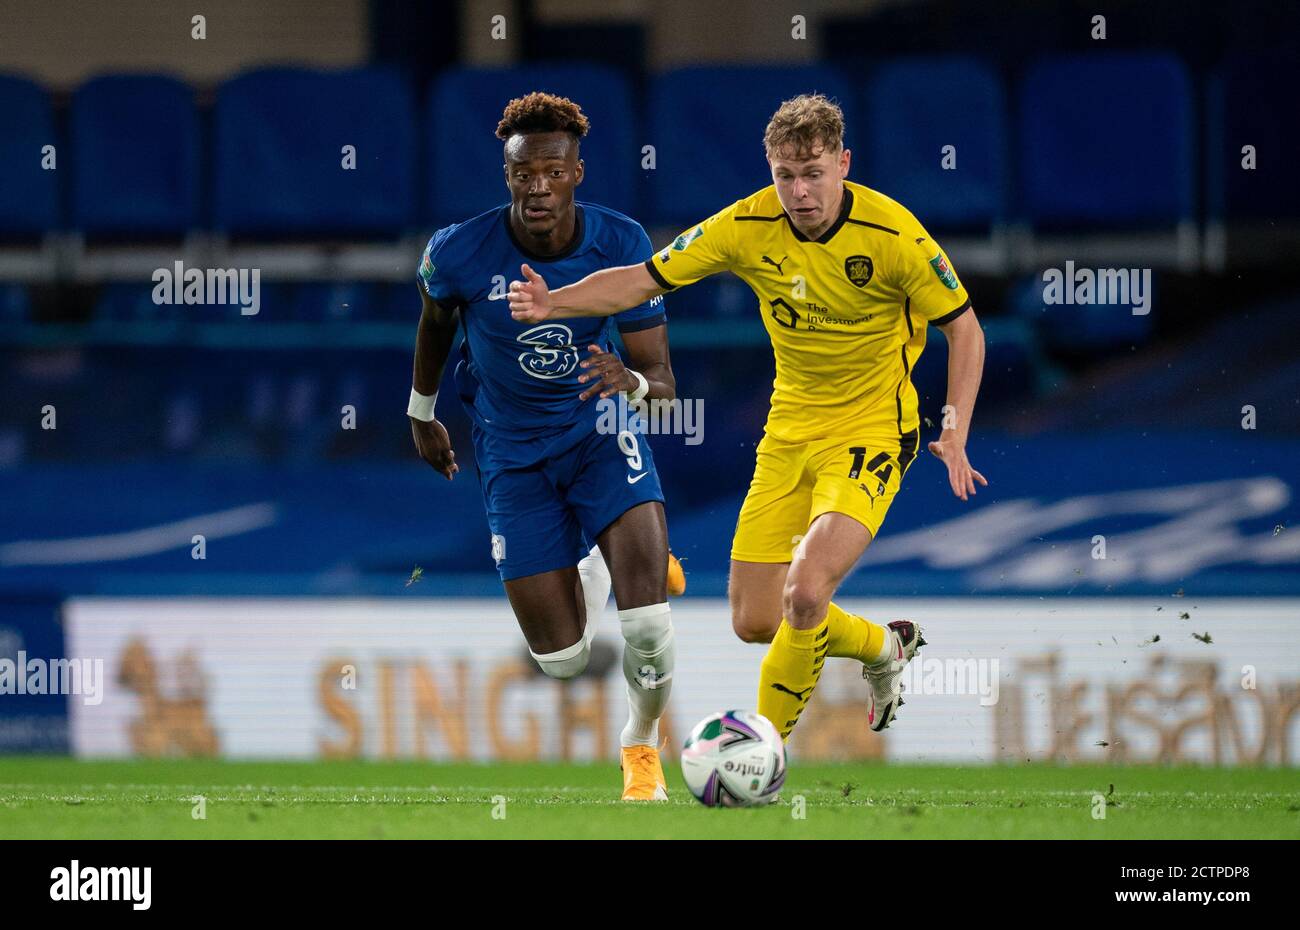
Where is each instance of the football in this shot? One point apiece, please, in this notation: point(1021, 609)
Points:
point(734, 759)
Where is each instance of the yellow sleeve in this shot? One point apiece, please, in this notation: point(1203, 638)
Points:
point(704, 249)
point(927, 277)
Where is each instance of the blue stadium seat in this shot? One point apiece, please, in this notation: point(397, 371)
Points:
point(132, 302)
point(1247, 97)
point(275, 304)
point(126, 301)
point(399, 302)
point(914, 107)
point(280, 135)
point(15, 305)
point(123, 301)
point(1076, 329)
point(1010, 369)
point(135, 157)
point(318, 301)
point(707, 128)
point(1105, 139)
point(29, 202)
point(465, 159)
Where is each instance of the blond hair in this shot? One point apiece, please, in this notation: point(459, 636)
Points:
point(804, 127)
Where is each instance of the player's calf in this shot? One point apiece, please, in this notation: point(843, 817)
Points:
point(648, 655)
point(648, 659)
point(754, 590)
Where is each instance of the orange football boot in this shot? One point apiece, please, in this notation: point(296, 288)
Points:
point(643, 776)
point(676, 577)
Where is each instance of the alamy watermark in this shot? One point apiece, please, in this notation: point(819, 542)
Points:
point(84, 677)
point(1121, 286)
point(953, 676)
point(652, 416)
point(240, 287)
point(77, 882)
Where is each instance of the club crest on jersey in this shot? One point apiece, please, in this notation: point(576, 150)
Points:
point(944, 271)
point(859, 269)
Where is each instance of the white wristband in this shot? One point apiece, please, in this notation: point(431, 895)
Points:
point(420, 406)
point(641, 390)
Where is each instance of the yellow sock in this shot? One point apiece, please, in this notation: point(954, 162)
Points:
point(789, 674)
point(854, 637)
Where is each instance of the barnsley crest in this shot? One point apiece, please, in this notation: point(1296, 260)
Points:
point(859, 269)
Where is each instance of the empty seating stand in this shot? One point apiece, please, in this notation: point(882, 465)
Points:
point(29, 202)
point(707, 128)
point(933, 136)
point(134, 158)
point(1105, 144)
point(1252, 137)
point(280, 155)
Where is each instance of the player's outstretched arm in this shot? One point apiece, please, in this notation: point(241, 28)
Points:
point(601, 293)
point(965, 366)
point(433, 341)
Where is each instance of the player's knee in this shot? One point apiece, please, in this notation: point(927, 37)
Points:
point(805, 604)
point(647, 629)
point(565, 663)
point(753, 629)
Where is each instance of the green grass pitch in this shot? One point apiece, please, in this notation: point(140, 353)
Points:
point(51, 797)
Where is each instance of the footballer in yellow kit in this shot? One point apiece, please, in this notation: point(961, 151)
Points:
point(848, 281)
point(847, 315)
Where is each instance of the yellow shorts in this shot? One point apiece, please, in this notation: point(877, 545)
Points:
point(795, 483)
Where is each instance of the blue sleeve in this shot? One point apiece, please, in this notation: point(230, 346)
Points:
point(436, 274)
point(651, 313)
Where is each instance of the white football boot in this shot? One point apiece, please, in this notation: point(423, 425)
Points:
point(886, 676)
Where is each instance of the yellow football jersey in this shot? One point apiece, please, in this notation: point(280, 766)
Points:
point(847, 313)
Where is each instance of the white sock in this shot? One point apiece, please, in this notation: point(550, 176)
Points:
point(886, 649)
point(565, 663)
point(648, 655)
point(595, 589)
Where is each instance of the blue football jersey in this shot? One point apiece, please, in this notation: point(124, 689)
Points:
point(521, 379)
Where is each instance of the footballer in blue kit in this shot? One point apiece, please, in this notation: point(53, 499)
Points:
point(553, 481)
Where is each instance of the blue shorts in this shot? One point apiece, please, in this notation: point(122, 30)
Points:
point(547, 515)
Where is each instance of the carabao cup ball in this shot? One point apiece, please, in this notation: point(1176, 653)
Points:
point(734, 759)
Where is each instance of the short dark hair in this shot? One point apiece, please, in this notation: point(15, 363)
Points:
point(540, 112)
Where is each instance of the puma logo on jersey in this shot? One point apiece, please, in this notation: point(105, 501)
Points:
point(797, 694)
point(879, 490)
point(776, 265)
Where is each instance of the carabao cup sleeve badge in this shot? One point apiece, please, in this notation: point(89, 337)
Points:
point(944, 271)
